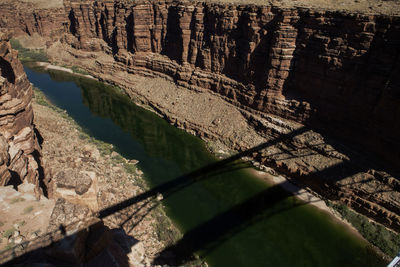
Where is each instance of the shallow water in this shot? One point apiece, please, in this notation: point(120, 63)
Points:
point(228, 216)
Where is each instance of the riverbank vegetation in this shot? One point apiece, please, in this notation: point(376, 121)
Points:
point(29, 55)
point(78, 70)
point(386, 240)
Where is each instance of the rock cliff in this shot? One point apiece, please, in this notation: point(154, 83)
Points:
point(335, 72)
point(19, 148)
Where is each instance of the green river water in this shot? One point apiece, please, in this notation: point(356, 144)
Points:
point(228, 216)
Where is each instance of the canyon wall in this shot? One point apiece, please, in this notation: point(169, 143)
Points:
point(19, 148)
point(21, 17)
point(336, 72)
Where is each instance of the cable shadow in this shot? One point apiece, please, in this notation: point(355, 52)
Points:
point(168, 188)
point(165, 189)
point(210, 234)
point(207, 236)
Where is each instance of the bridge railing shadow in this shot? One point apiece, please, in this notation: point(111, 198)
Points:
point(204, 237)
point(186, 180)
point(165, 189)
point(211, 234)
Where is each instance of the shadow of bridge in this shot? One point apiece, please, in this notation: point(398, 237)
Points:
point(205, 236)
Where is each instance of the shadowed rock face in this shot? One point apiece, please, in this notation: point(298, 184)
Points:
point(19, 148)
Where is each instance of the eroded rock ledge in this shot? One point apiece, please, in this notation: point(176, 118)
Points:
point(279, 68)
point(20, 158)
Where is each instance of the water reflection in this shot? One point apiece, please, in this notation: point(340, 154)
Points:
point(158, 139)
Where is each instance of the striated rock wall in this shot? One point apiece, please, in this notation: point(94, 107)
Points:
point(19, 148)
point(333, 71)
point(26, 17)
point(347, 67)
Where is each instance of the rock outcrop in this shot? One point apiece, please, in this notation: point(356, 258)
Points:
point(78, 187)
point(19, 148)
point(75, 237)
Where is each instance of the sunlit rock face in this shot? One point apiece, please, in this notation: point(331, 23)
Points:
point(19, 148)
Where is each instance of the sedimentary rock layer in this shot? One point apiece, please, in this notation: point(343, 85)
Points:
point(19, 148)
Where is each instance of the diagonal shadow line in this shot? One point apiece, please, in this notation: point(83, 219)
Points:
point(186, 180)
point(131, 215)
point(210, 234)
point(223, 226)
point(210, 247)
point(140, 219)
point(166, 189)
point(230, 167)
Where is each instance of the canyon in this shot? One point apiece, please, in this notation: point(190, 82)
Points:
point(328, 80)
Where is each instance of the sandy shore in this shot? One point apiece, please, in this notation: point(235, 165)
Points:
point(304, 195)
point(49, 66)
point(299, 192)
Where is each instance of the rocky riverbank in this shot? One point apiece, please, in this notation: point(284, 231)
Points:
point(328, 80)
point(69, 150)
point(105, 178)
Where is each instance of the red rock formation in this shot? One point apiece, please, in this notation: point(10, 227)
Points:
point(25, 17)
point(19, 148)
point(330, 70)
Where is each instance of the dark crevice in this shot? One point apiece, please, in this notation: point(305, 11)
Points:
point(42, 181)
point(27, 30)
point(103, 27)
point(114, 43)
point(96, 24)
point(15, 180)
point(129, 32)
point(72, 26)
point(173, 47)
point(38, 136)
point(7, 70)
point(155, 48)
